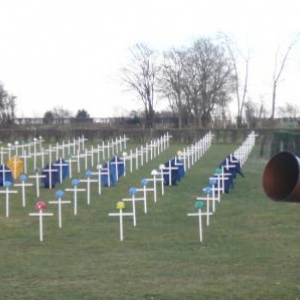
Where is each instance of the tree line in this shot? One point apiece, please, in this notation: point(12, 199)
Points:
point(7, 106)
point(199, 81)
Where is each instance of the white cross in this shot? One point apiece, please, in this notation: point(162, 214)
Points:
point(50, 170)
point(124, 158)
point(99, 167)
point(9, 150)
point(56, 150)
point(136, 155)
point(222, 176)
point(49, 151)
point(103, 171)
point(121, 214)
point(2, 152)
point(115, 162)
point(101, 149)
point(78, 156)
point(23, 184)
point(208, 213)
point(75, 190)
point(7, 192)
point(199, 214)
point(130, 158)
point(168, 171)
point(59, 203)
point(133, 199)
point(70, 160)
point(82, 141)
point(60, 164)
point(217, 189)
point(88, 181)
point(24, 156)
point(125, 139)
point(40, 142)
point(40, 214)
point(37, 177)
point(17, 146)
point(145, 189)
point(3, 170)
point(154, 179)
point(34, 153)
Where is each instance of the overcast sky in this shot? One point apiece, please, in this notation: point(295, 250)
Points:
point(68, 53)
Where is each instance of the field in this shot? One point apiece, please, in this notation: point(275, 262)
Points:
point(250, 249)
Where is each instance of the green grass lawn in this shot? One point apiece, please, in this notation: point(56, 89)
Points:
point(251, 250)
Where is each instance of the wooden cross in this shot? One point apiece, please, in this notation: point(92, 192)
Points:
point(121, 214)
point(3, 170)
point(116, 163)
point(7, 192)
point(60, 164)
point(23, 185)
point(208, 213)
point(88, 181)
point(75, 190)
point(2, 153)
point(50, 170)
point(41, 214)
point(37, 177)
point(59, 203)
point(24, 156)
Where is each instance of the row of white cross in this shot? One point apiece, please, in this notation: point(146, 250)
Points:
point(213, 193)
point(195, 151)
point(161, 144)
point(165, 143)
point(138, 194)
point(141, 154)
point(243, 151)
point(147, 152)
point(157, 146)
point(74, 150)
point(188, 156)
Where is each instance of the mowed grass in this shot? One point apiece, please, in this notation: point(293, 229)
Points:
point(250, 249)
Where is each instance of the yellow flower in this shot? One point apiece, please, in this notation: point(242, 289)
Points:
point(120, 205)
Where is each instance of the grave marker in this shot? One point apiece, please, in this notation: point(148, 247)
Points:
point(61, 164)
point(121, 214)
point(198, 206)
point(59, 195)
point(37, 177)
point(88, 181)
point(207, 191)
point(75, 190)
point(132, 192)
point(23, 178)
point(7, 191)
point(41, 206)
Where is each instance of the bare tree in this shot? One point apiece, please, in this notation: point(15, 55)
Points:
point(209, 79)
point(278, 69)
point(252, 113)
point(240, 84)
point(59, 112)
point(289, 111)
point(171, 83)
point(48, 117)
point(141, 77)
point(7, 107)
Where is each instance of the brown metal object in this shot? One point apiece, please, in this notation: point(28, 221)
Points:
point(281, 178)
